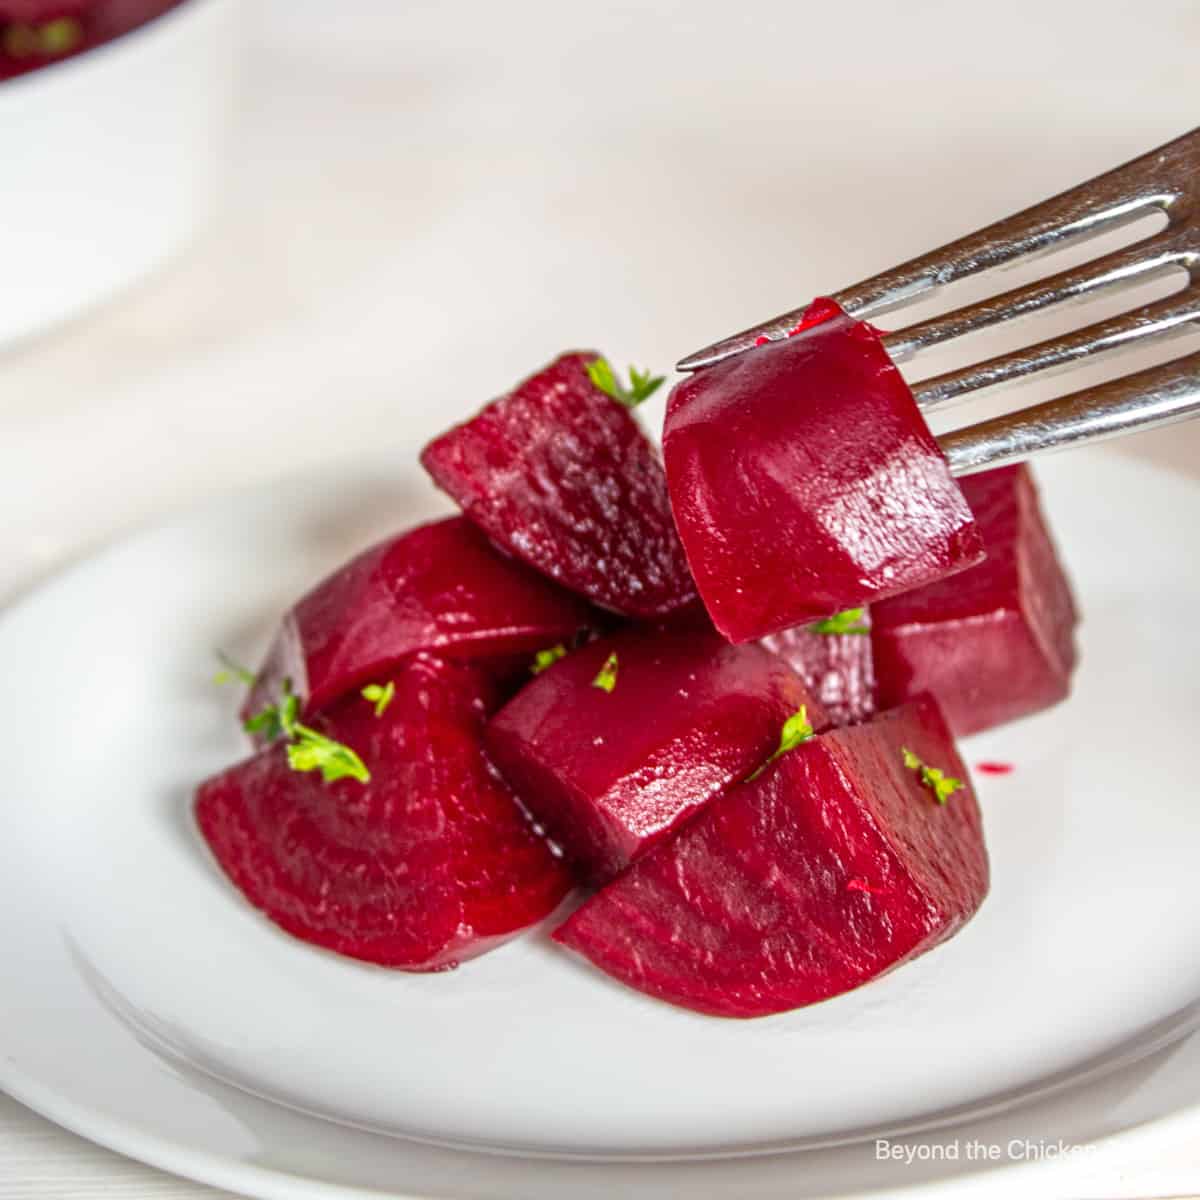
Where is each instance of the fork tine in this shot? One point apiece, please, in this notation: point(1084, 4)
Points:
point(1139, 263)
point(1170, 316)
point(1163, 179)
point(1146, 399)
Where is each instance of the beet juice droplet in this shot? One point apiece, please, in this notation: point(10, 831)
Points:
point(994, 768)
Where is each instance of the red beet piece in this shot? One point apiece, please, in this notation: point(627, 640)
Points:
point(804, 480)
point(38, 12)
point(835, 865)
point(113, 17)
point(563, 477)
point(838, 668)
point(437, 587)
point(611, 774)
point(430, 862)
point(998, 641)
point(35, 33)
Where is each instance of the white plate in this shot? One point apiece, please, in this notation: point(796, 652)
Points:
point(138, 978)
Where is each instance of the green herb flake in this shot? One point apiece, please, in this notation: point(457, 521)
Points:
point(849, 621)
point(942, 786)
point(642, 385)
point(381, 695)
point(313, 751)
point(547, 658)
point(276, 720)
point(308, 750)
point(796, 731)
point(60, 36)
point(265, 722)
point(20, 40)
point(231, 670)
point(606, 678)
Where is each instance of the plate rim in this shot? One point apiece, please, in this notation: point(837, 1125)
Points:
point(176, 1157)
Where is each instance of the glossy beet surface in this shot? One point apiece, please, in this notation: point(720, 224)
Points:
point(835, 865)
point(838, 668)
point(429, 863)
point(804, 481)
point(998, 641)
point(612, 774)
point(438, 587)
point(562, 476)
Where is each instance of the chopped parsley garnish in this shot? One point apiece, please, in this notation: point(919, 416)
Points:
point(380, 695)
point(231, 670)
point(313, 751)
point(796, 730)
point(276, 720)
point(307, 749)
point(942, 786)
point(642, 385)
point(547, 658)
point(848, 621)
point(60, 35)
point(606, 678)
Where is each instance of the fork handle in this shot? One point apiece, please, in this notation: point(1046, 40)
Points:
point(1157, 396)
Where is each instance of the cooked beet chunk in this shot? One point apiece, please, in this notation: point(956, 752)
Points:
point(998, 641)
point(804, 480)
point(612, 773)
point(562, 476)
point(838, 667)
point(430, 862)
point(835, 865)
point(438, 587)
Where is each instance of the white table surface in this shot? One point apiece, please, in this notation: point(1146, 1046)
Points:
point(424, 204)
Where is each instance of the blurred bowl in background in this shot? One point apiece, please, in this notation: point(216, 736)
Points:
point(110, 161)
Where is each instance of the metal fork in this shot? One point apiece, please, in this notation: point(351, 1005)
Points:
point(1166, 180)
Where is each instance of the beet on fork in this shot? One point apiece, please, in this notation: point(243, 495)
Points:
point(1167, 181)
